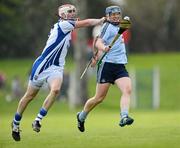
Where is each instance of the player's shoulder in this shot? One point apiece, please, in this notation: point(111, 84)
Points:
point(67, 22)
point(105, 28)
point(105, 25)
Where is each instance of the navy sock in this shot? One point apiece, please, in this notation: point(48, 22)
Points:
point(42, 113)
point(17, 119)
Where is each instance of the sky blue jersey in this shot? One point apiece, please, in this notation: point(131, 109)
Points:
point(117, 54)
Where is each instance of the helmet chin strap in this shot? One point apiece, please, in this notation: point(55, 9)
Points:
point(71, 19)
point(113, 23)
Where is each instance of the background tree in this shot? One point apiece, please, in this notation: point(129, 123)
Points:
point(25, 24)
point(155, 25)
point(78, 88)
point(11, 28)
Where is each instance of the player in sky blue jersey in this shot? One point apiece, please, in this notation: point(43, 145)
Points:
point(48, 67)
point(111, 70)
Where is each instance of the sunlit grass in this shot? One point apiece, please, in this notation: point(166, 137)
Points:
point(150, 129)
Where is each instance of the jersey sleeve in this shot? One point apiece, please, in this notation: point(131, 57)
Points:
point(67, 25)
point(105, 32)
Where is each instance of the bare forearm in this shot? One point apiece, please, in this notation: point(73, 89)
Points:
point(93, 22)
point(89, 22)
point(100, 45)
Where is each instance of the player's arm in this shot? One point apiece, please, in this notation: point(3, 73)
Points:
point(89, 22)
point(101, 46)
point(96, 53)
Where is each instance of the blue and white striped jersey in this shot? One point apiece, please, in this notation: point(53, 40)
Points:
point(56, 47)
point(117, 54)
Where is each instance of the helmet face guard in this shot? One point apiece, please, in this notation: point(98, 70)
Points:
point(111, 11)
point(67, 12)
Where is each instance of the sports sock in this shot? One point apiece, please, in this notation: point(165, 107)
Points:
point(42, 113)
point(124, 113)
point(16, 120)
point(82, 116)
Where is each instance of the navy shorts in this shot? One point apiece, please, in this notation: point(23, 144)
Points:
point(109, 72)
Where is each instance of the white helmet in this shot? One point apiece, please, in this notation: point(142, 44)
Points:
point(65, 11)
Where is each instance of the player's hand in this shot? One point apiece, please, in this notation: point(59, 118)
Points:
point(106, 49)
point(102, 20)
point(94, 61)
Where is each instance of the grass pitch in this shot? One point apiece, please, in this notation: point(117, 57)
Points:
point(150, 130)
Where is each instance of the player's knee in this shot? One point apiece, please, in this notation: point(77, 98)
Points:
point(127, 90)
point(55, 91)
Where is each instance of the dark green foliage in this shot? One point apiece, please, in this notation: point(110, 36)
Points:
point(25, 24)
point(155, 25)
point(11, 28)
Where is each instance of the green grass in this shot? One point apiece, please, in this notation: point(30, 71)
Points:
point(150, 129)
point(168, 64)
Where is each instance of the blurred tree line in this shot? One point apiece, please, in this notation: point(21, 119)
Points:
point(156, 25)
point(25, 24)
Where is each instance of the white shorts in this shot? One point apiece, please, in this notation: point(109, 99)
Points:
point(46, 76)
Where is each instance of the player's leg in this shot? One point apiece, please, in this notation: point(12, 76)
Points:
point(28, 96)
point(101, 91)
point(55, 85)
point(124, 84)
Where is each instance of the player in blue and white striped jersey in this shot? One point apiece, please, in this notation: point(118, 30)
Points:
point(112, 69)
point(49, 66)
